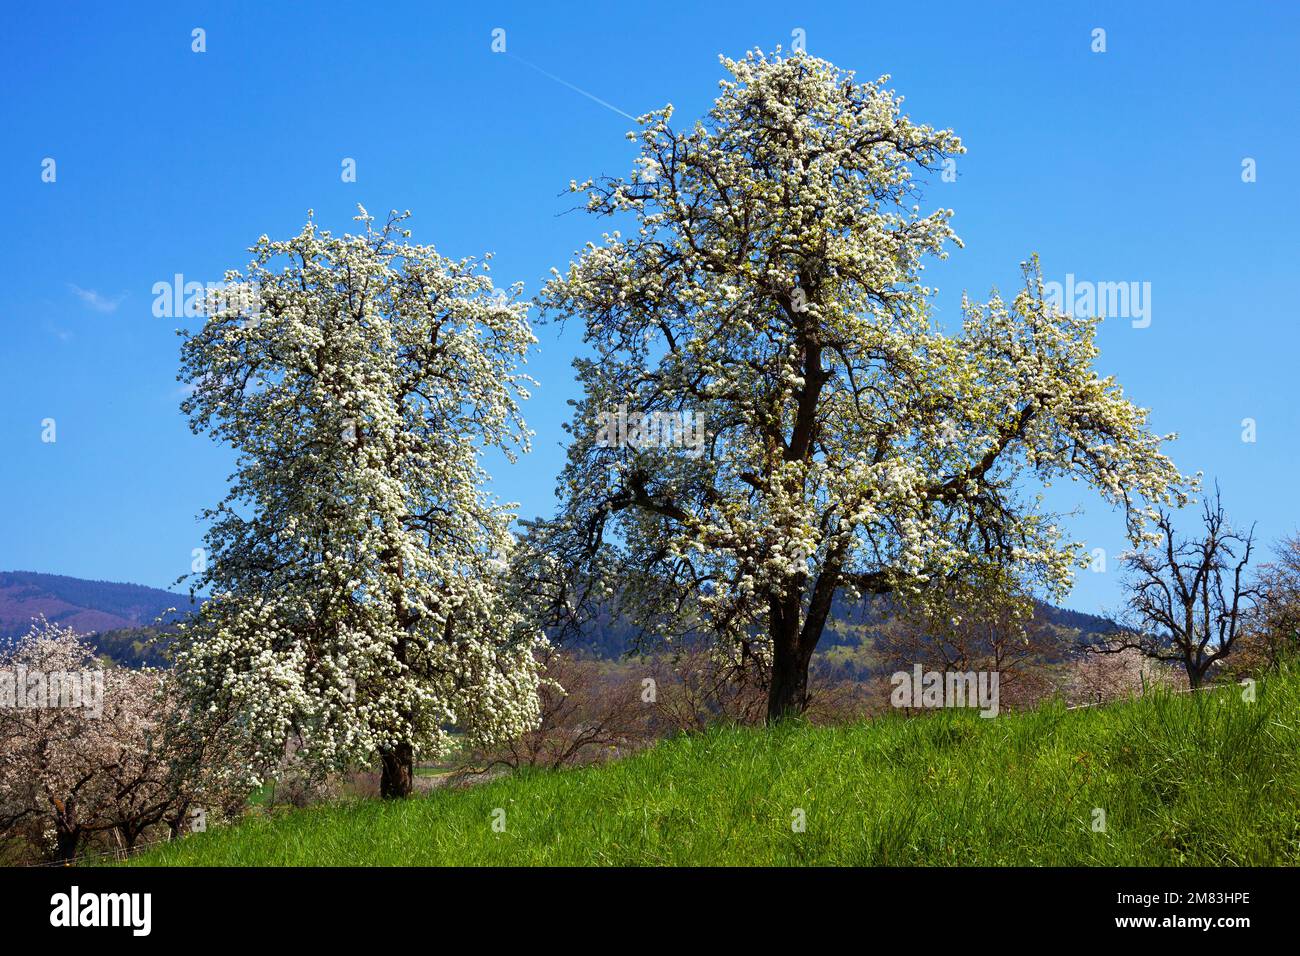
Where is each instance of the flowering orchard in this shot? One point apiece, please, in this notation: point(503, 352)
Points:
point(112, 767)
point(770, 285)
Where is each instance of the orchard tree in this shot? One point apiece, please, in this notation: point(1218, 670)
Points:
point(1276, 617)
point(769, 285)
point(984, 624)
point(57, 749)
point(1190, 598)
point(173, 773)
point(355, 565)
point(86, 749)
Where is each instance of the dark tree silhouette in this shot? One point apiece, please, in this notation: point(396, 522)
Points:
point(1189, 597)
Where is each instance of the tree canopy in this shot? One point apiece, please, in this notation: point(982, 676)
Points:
point(769, 281)
point(355, 565)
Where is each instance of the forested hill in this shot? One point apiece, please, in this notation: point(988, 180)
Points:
point(121, 617)
point(115, 612)
point(850, 622)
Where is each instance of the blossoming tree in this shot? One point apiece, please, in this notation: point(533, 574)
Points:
point(770, 281)
point(58, 757)
point(355, 565)
point(88, 749)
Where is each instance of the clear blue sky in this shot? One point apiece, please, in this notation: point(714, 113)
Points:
point(1119, 166)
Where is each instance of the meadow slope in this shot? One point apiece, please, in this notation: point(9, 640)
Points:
point(1204, 779)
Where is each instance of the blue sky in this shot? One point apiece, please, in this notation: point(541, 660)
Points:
point(1122, 166)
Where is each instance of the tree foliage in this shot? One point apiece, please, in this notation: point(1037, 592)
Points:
point(355, 565)
point(771, 282)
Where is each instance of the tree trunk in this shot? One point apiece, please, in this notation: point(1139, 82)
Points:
point(177, 820)
point(128, 836)
point(66, 843)
point(787, 695)
point(397, 779)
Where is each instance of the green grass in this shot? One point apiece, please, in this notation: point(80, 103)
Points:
point(1202, 779)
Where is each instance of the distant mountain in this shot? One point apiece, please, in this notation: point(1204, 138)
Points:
point(1091, 628)
point(121, 619)
point(88, 607)
point(850, 622)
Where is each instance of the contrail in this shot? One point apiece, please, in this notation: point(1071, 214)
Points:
point(576, 89)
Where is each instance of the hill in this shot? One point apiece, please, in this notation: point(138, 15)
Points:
point(1203, 779)
point(121, 618)
point(120, 615)
point(850, 623)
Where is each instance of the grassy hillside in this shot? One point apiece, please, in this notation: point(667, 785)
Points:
point(1183, 779)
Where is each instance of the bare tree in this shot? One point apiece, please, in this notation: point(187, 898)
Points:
point(1189, 598)
point(699, 688)
point(589, 709)
point(988, 624)
point(1277, 615)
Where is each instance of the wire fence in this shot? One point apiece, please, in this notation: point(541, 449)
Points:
point(114, 854)
point(1146, 689)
